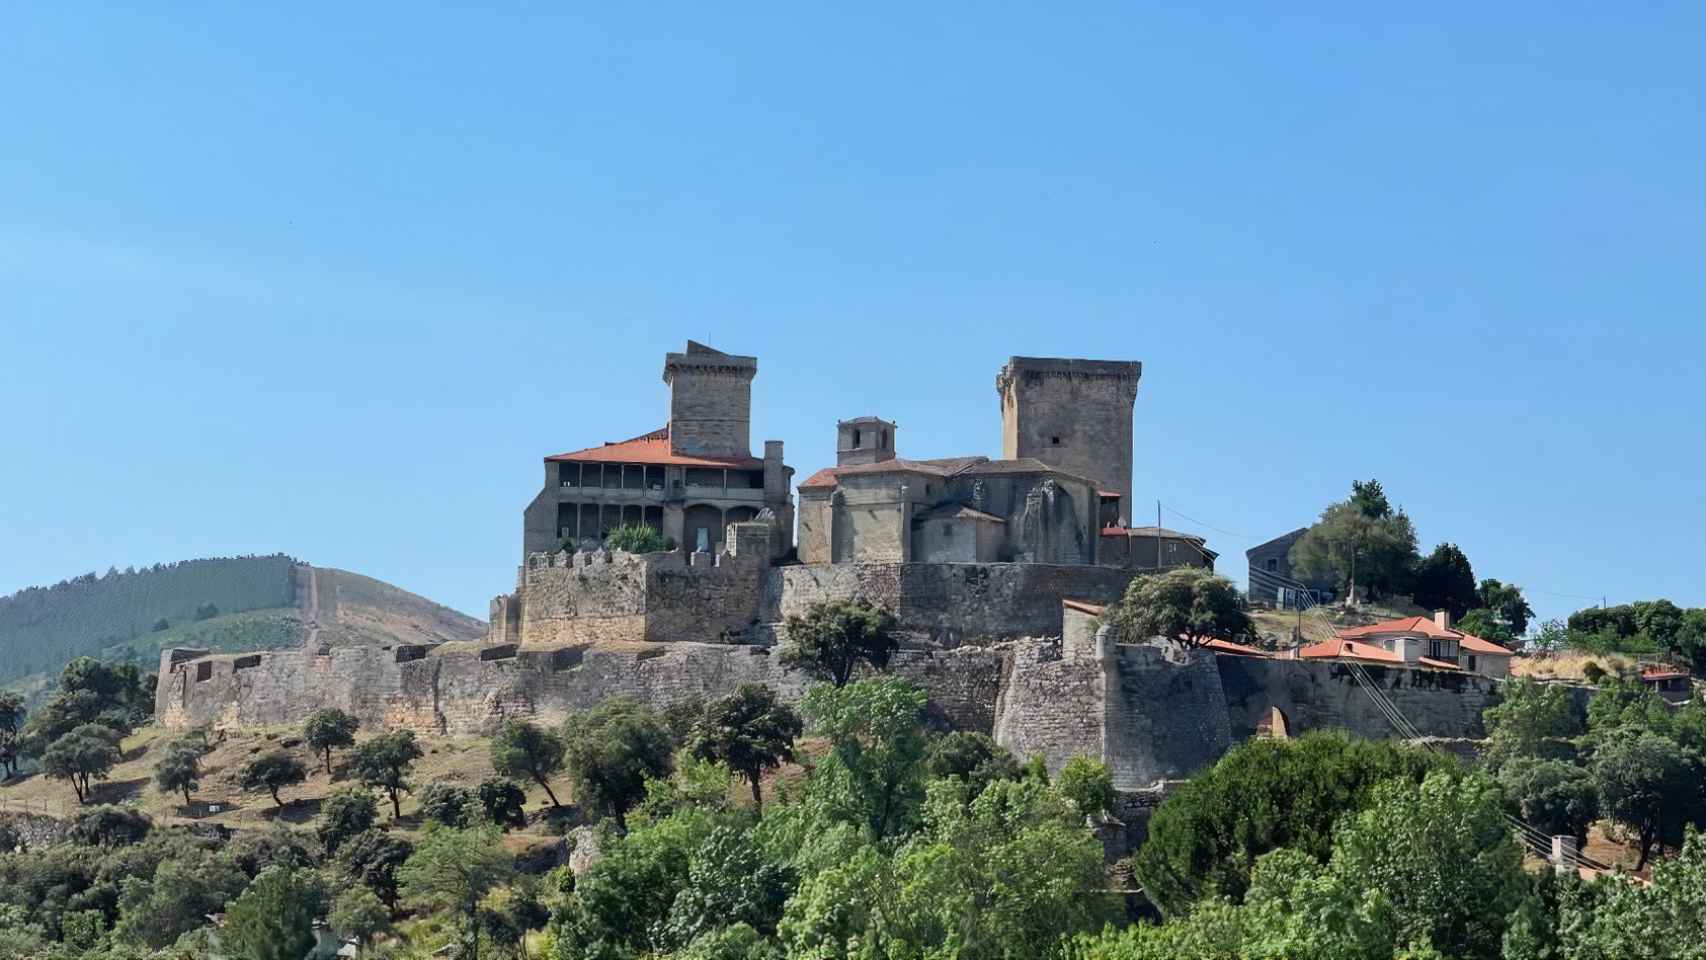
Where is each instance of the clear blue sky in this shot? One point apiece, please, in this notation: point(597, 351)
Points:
point(331, 279)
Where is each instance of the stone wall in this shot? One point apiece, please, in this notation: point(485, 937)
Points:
point(467, 688)
point(949, 604)
point(1313, 695)
point(599, 596)
point(1051, 707)
point(1072, 414)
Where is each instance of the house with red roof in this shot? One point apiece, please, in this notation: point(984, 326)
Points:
point(1427, 642)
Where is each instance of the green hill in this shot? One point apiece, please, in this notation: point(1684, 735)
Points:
point(225, 604)
point(43, 627)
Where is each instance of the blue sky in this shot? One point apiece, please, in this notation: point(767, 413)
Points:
point(331, 279)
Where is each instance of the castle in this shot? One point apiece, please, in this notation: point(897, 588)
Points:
point(980, 560)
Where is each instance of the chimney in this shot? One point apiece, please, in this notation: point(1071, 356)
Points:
point(1442, 619)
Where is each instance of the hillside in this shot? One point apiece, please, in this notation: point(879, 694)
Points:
point(227, 604)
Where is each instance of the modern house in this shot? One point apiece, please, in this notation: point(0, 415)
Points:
point(1428, 642)
point(1272, 580)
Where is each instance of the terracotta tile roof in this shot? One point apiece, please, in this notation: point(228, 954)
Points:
point(1341, 649)
point(1084, 606)
point(941, 467)
point(1664, 673)
point(651, 448)
point(1438, 664)
point(1227, 646)
point(1162, 532)
point(1427, 628)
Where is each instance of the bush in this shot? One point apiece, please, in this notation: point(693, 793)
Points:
point(109, 826)
point(502, 800)
point(446, 804)
point(611, 751)
point(347, 812)
point(1087, 785)
point(634, 538)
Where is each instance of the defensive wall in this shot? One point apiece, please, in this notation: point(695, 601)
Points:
point(470, 688)
point(600, 596)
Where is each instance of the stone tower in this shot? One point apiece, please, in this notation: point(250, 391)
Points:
point(710, 402)
point(863, 440)
point(1072, 414)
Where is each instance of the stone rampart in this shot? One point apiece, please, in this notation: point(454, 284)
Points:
point(467, 688)
point(1316, 695)
point(948, 604)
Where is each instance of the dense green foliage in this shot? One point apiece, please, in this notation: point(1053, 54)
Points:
point(273, 919)
point(1262, 796)
point(327, 730)
point(43, 627)
point(1361, 542)
point(523, 750)
point(384, 762)
point(273, 771)
point(748, 731)
point(1643, 627)
point(1443, 580)
point(345, 813)
point(833, 639)
point(1187, 604)
point(611, 751)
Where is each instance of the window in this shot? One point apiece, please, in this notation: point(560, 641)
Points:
point(885, 439)
point(1436, 650)
point(855, 438)
point(1054, 441)
point(947, 531)
point(1273, 564)
point(1471, 661)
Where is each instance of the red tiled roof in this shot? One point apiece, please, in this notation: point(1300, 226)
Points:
point(652, 448)
point(1083, 606)
point(1427, 628)
point(1664, 673)
point(1227, 646)
point(1437, 664)
point(941, 467)
point(1341, 649)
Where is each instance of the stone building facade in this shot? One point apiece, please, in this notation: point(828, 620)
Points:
point(689, 479)
point(1074, 415)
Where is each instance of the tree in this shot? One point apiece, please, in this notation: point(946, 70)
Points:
point(1552, 637)
point(973, 758)
point(446, 803)
point(273, 771)
point(634, 538)
point(179, 770)
point(524, 750)
point(359, 914)
point(346, 812)
point(1359, 541)
point(749, 731)
point(274, 917)
point(833, 638)
point(1444, 581)
point(1553, 796)
point(1087, 785)
point(373, 858)
point(729, 880)
point(1648, 784)
point(1690, 640)
point(328, 730)
point(502, 799)
point(1616, 919)
point(1531, 720)
point(1482, 623)
point(1506, 603)
point(611, 751)
point(11, 722)
point(384, 762)
point(1261, 796)
point(1188, 604)
point(872, 777)
point(1659, 620)
point(455, 868)
point(1442, 853)
point(88, 752)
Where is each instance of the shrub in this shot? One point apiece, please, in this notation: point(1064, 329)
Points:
point(446, 803)
point(634, 538)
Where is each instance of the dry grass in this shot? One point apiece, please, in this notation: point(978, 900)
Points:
point(1568, 665)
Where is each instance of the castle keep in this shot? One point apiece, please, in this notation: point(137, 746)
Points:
point(978, 559)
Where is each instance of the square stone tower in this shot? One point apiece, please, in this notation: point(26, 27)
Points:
point(863, 440)
point(1072, 414)
point(710, 402)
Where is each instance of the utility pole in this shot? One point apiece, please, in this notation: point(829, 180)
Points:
point(1157, 535)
